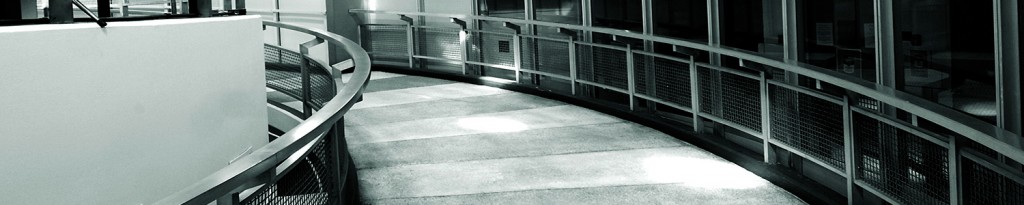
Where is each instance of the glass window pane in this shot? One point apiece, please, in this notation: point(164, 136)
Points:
point(558, 11)
point(619, 14)
point(684, 19)
point(503, 8)
point(944, 53)
point(752, 25)
point(838, 35)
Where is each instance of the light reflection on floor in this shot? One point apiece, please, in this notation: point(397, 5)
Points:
point(703, 173)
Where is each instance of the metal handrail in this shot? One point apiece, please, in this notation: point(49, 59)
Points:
point(82, 7)
point(1000, 140)
point(249, 169)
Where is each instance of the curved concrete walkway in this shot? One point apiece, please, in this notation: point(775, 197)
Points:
point(418, 140)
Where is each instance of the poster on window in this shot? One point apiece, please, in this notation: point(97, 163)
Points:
point(823, 34)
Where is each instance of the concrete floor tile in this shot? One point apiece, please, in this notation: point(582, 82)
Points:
point(512, 121)
point(446, 108)
point(423, 94)
point(535, 142)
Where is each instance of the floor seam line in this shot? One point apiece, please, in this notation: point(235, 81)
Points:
point(463, 135)
point(516, 157)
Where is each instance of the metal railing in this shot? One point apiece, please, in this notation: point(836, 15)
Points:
point(881, 141)
point(250, 177)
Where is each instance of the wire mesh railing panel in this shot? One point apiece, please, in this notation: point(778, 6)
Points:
point(545, 55)
point(741, 100)
point(322, 85)
point(710, 91)
point(908, 168)
point(665, 79)
point(982, 185)
point(808, 124)
point(310, 180)
point(285, 75)
point(602, 65)
point(283, 71)
point(387, 40)
point(643, 66)
point(491, 48)
point(439, 43)
point(308, 183)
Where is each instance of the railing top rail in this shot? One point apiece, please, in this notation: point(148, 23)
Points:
point(243, 171)
point(988, 135)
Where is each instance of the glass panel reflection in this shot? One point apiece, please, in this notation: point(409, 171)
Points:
point(944, 53)
point(838, 35)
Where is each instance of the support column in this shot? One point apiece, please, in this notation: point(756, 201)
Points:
point(714, 39)
point(341, 22)
point(790, 37)
point(885, 51)
point(1007, 61)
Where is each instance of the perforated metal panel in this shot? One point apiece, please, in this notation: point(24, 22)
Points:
point(670, 82)
point(491, 48)
point(808, 124)
point(984, 186)
point(284, 75)
point(439, 43)
point(386, 39)
point(908, 168)
point(602, 65)
point(546, 55)
point(310, 181)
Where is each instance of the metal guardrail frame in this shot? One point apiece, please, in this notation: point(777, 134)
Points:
point(987, 135)
point(260, 166)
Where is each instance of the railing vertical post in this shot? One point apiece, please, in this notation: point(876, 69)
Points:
point(411, 48)
point(572, 64)
point(337, 149)
point(955, 172)
point(463, 35)
point(852, 192)
point(630, 77)
point(60, 12)
point(698, 123)
point(307, 98)
point(517, 55)
point(230, 199)
point(766, 125)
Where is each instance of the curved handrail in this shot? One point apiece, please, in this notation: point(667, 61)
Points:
point(241, 173)
point(1000, 140)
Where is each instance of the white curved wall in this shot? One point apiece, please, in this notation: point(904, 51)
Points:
point(127, 114)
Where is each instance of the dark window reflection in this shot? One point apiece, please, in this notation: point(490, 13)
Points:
point(838, 35)
point(558, 11)
point(684, 19)
point(502, 8)
point(752, 25)
point(945, 53)
point(620, 14)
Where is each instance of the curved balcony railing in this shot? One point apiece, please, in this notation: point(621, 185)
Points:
point(898, 147)
point(267, 175)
